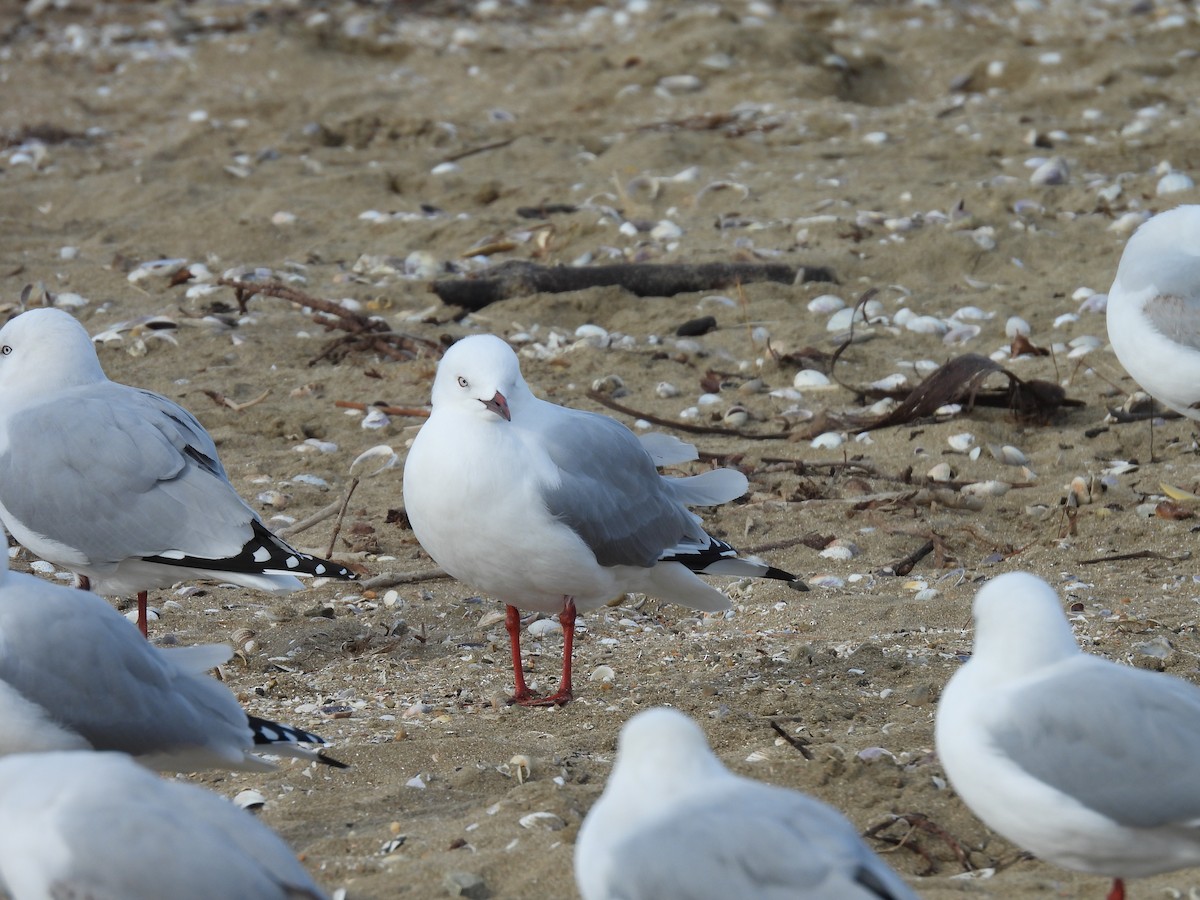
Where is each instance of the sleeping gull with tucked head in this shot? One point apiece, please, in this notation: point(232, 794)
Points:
point(75, 676)
point(97, 825)
point(674, 824)
point(1088, 764)
point(556, 509)
point(120, 485)
point(1154, 309)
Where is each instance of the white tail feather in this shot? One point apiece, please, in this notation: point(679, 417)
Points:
point(709, 488)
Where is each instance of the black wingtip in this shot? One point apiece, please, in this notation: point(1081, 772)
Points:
point(330, 761)
point(780, 575)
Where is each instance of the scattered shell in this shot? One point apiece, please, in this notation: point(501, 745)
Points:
point(250, 799)
point(961, 443)
point(827, 441)
point(665, 390)
point(375, 418)
point(840, 549)
point(986, 489)
point(1052, 171)
point(736, 416)
point(603, 674)
point(371, 462)
point(1007, 454)
point(808, 379)
point(842, 320)
point(826, 303)
point(926, 325)
point(1014, 326)
point(547, 821)
point(890, 383)
point(543, 627)
point(1174, 183)
point(941, 472)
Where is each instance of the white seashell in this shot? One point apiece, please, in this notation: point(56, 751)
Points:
point(1174, 183)
point(925, 367)
point(1052, 171)
point(975, 453)
point(736, 416)
point(961, 334)
point(1007, 454)
point(985, 237)
point(42, 567)
point(158, 268)
point(880, 407)
point(875, 138)
point(666, 231)
point(608, 384)
point(69, 301)
point(250, 799)
point(445, 168)
point(1082, 293)
point(1014, 326)
point(827, 441)
point(972, 314)
point(826, 580)
point(926, 325)
point(1066, 319)
point(546, 821)
point(311, 480)
point(1097, 303)
point(903, 316)
point(840, 549)
point(375, 418)
point(593, 334)
point(890, 383)
point(986, 489)
point(758, 756)
point(841, 320)
point(961, 443)
point(940, 472)
point(273, 499)
point(371, 462)
point(1127, 222)
point(708, 399)
point(826, 303)
point(926, 594)
point(319, 446)
point(603, 674)
point(809, 379)
point(665, 389)
point(543, 627)
point(416, 782)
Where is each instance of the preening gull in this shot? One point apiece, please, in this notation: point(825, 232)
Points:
point(1088, 764)
point(77, 824)
point(120, 485)
point(674, 824)
point(75, 676)
point(1154, 308)
point(556, 509)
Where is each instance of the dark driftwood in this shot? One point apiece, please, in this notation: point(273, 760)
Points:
point(518, 279)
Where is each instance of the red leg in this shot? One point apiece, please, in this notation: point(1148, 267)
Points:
point(1118, 890)
point(563, 695)
point(512, 622)
point(143, 625)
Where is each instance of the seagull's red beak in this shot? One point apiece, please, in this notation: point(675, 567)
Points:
point(499, 406)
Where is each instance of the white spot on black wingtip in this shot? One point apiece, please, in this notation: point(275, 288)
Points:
point(291, 562)
point(261, 555)
point(321, 569)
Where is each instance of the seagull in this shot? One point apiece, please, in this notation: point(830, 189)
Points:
point(76, 824)
point(120, 485)
point(1088, 764)
point(555, 509)
point(673, 822)
point(1154, 309)
point(75, 676)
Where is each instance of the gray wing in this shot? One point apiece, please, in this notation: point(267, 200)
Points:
point(609, 491)
point(1177, 318)
point(97, 825)
point(765, 843)
point(1124, 742)
point(116, 472)
point(70, 653)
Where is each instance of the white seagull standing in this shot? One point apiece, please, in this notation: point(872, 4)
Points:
point(97, 825)
point(1154, 309)
point(1088, 764)
point(674, 824)
point(75, 676)
point(120, 485)
point(556, 509)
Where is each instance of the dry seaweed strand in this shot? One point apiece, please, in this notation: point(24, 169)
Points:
point(366, 334)
point(918, 822)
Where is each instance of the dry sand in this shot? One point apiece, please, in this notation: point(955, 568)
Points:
point(889, 141)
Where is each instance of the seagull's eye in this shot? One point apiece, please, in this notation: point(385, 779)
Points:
point(7, 350)
point(462, 382)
